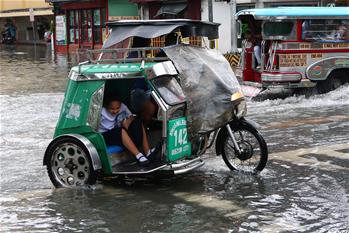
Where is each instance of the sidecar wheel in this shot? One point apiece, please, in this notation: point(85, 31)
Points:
point(254, 154)
point(69, 163)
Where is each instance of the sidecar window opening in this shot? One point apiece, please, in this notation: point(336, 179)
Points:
point(122, 89)
point(169, 89)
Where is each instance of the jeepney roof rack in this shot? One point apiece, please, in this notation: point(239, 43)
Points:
point(296, 13)
point(111, 56)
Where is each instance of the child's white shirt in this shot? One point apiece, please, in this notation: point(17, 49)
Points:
point(109, 121)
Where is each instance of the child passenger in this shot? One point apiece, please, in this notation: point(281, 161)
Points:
point(119, 127)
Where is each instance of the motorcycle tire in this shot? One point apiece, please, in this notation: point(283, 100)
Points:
point(248, 151)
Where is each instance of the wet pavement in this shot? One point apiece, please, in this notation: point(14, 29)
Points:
point(304, 188)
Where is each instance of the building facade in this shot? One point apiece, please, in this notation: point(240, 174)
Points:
point(17, 14)
point(82, 24)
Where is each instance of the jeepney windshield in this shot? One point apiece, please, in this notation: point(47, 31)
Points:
point(277, 29)
point(169, 89)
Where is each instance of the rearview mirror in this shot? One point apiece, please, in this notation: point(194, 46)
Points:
point(238, 29)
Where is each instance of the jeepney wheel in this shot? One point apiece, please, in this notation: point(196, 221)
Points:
point(254, 152)
point(69, 164)
point(333, 81)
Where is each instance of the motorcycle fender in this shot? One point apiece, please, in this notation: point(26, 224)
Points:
point(219, 141)
point(253, 123)
point(96, 162)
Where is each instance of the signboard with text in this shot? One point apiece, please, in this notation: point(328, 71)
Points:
point(178, 145)
point(61, 30)
point(31, 15)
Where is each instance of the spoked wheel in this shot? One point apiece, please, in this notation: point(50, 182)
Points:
point(253, 154)
point(69, 164)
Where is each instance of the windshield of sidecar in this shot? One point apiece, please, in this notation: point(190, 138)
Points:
point(169, 89)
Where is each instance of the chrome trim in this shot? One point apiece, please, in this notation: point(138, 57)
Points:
point(179, 165)
point(262, 55)
point(252, 84)
point(305, 45)
point(231, 134)
point(269, 77)
point(185, 170)
point(161, 103)
point(327, 67)
point(106, 76)
point(95, 108)
point(73, 75)
point(303, 83)
point(96, 162)
point(160, 69)
point(140, 172)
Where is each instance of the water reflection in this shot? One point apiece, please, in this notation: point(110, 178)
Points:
point(201, 202)
point(34, 69)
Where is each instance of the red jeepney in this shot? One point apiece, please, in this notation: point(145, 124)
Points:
point(295, 47)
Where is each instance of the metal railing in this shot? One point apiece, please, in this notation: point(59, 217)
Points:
point(122, 55)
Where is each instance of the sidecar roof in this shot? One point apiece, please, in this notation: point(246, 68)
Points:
point(123, 29)
point(107, 71)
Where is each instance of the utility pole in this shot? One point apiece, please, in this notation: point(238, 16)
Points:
point(32, 20)
point(233, 34)
point(210, 11)
point(210, 18)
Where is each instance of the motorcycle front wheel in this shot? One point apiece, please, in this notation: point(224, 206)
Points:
point(253, 155)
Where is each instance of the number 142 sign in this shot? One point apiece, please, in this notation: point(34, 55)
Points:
point(178, 145)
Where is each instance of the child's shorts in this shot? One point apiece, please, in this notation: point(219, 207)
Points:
point(113, 137)
point(135, 132)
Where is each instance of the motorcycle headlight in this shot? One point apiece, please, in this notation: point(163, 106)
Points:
point(237, 96)
point(241, 109)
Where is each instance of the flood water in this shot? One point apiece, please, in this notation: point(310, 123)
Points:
point(307, 193)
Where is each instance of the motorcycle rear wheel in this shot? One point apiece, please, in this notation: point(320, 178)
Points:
point(254, 151)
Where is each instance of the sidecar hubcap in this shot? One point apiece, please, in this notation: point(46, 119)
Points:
point(70, 165)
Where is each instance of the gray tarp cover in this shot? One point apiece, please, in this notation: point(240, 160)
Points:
point(124, 29)
point(120, 33)
point(208, 82)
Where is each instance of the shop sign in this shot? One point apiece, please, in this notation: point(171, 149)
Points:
point(112, 18)
point(31, 15)
point(61, 30)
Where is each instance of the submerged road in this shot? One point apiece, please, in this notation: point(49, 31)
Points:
point(304, 188)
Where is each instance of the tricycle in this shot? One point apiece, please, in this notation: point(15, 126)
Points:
point(197, 98)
